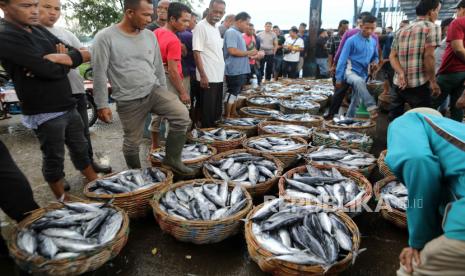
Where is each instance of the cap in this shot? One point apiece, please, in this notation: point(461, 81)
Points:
point(425, 111)
point(459, 5)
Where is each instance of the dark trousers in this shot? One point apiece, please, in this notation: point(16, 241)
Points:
point(268, 60)
point(451, 85)
point(415, 97)
point(255, 69)
point(290, 69)
point(53, 135)
point(338, 98)
point(81, 107)
point(278, 66)
point(16, 197)
point(210, 103)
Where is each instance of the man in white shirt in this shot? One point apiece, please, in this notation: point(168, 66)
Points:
point(208, 54)
point(292, 48)
point(49, 13)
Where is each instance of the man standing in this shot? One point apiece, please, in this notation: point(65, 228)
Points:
point(227, 23)
point(251, 44)
point(129, 56)
point(362, 53)
point(162, 16)
point(236, 58)
point(50, 12)
point(293, 47)
point(333, 44)
point(28, 53)
point(304, 36)
point(412, 58)
point(208, 54)
point(269, 44)
point(451, 75)
point(322, 54)
point(278, 57)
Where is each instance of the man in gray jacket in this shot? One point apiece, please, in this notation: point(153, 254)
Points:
point(129, 56)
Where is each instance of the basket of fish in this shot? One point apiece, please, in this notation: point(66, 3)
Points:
point(263, 101)
point(394, 196)
point(305, 120)
point(329, 185)
point(193, 155)
point(130, 190)
point(299, 107)
point(286, 149)
point(257, 172)
point(202, 211)
point(286, 238)
point(342, 139)
point(219, 138)
point(288, 129)
point(69, 238)
point(247, 125)
point(280, 95)
point(313, 97)
point(258, 112)
point(383, 168)
point(350, 124)
point(350, 159)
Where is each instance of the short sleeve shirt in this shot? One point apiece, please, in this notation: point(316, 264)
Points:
point(451, 63)
point(410, 44)
point(235, 65)
point(170, 47)
point(251, 44)
point(297, 44)
point(267, 41)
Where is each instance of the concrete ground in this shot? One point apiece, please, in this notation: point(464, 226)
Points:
point(382, 240)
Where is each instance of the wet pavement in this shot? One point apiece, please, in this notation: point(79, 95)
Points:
point(382, 240)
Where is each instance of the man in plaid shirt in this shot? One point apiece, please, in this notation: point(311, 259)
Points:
point(333, 44)
point(412, 58)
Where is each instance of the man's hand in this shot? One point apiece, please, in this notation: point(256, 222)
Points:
point(184, 97)
point(408, 257)
point(402, 80)
point(62, 59)
point(436, 90)
point(204, 82)
point(61, 48)
point(461, 102)
point(252, 53)
point(332, 71)
point(105, 115)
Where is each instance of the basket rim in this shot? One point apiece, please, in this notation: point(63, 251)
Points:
point(190, 162)
point(301, 140)
point(155, 203)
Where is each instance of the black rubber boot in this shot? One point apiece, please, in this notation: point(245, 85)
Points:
point(100, 168)
point(174, 145)
point(133, 161)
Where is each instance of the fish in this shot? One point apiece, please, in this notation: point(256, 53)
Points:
point(395, 194)
point(300, 104)
point(275, 144)
point(47, 247)
point(27, 242)
point(348, 136)
point(290, 130)
point(346, 158)
point(110, 228)
point(218, 134)
point(241, 122)
point(260, 111)
point(190, 152)
point(263, 100)
point(77, 246)
point(310, 97)
point(350, 122)
point(63, 233)
point(296, 117)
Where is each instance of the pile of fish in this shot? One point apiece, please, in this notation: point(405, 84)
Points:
point(396, 195)
point(300, 104)
point(209, 201)
point(218, 134)
point(275, 144)
point(243, 169)
point(263, 100)
point(304, 235)
point(260, 111)
point(243, 122)
point(71, 231)
point(324, 186)
point(190, 152)
point(350, 122)
point(311, 97)
point(323, 90)
point(128, 181)
point(347, 158)
point(272, 86)
point(291, 130)
point(348, 136)
point(296, 117)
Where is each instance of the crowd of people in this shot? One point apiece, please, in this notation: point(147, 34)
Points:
point(182, 71)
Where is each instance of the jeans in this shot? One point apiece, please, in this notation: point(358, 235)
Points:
point(255, 69)
point(278, 66)
point(290, 69)
point(451, 85)
point(268, 60)
point(53, 135)
point(81, 107)
point(416, 97)
point(323, 66)
point(360, 94)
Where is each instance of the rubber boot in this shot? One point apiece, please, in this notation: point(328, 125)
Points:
point(133, 161)
point(174, 146)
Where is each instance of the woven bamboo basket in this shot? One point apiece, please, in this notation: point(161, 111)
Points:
point(265, 260)
point(361, 181)
point(369, 130)
point(383, 168)
point(136, 203)
point(270, 106)
point(259, 189)
point(220, 146)
point(367, 171)
point(263, 131)
point(323, 102)
point(289, 158)
point(190, 163)
point(199, 232)
point(397, 217)
point(250, 131)
point(318, 122)
point(245, 114)
point(86, 262)
point(287, 110)
point(320, 140)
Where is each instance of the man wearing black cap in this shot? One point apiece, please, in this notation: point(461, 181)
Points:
point(451, 75)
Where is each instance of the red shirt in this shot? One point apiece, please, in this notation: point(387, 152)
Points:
point(451, 63)
point(170, 47)
point(250, 44)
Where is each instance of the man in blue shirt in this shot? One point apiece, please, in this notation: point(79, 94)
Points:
point(236, 58)
point(359, 54)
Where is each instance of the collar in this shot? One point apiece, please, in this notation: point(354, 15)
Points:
point(362, 37)
point(235, 28)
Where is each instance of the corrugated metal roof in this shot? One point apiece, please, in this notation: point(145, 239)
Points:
point(408, 7)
